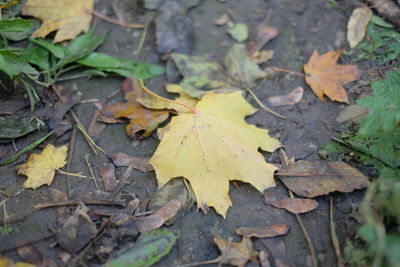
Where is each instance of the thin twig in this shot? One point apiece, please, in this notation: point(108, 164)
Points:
point(71, 150)
point(26, 149)
point(307, 237)
point(262, 105)
point(99, 233)
point(46, 205)
point(335, 241)
point(95, 148)
point(70, 174)
point(111, 20)
point(27, 243)
point(290, 71)
point(91, 172)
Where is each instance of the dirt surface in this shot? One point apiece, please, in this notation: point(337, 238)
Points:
point(303, 26)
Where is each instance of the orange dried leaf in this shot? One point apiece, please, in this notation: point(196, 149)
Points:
point(143, 121)
point(326, 77)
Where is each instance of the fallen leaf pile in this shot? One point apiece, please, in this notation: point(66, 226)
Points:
point(212, 147)
point(68, 17)
point(326, 77)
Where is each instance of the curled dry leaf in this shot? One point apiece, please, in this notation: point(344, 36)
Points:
point(290, 99)
point(234, 253)
point(293, 205)
point(143, 121)
point(315, 178)
point(218, 141)
point(357, 25)
point(153, 221)
point(263, 232)
point(326, 77)
point(124, 160)
point(107, 174)
point(41, 168)
point(68, 17)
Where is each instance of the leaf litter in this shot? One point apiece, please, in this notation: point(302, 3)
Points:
point(239, 72)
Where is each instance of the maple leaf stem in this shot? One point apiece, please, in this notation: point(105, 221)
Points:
point(263, 106)
point(166, 99)
point(111, 20)
point(290, 71)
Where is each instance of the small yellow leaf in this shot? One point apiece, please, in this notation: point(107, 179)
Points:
point(212, 147)
point(40, 168)
point(69, 17)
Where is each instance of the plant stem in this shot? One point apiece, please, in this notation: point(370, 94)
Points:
point(263, 106)
point(290, 71)
point(335, 241)
point(111, 20)
point(26, 149)
point(166, 99)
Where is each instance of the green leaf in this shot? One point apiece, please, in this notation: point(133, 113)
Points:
point(383, 105)
point(240, 67)
point(200, 74)
point(149, 248)
point(16, 25)
point(37, 55)
point(384, 146)
point(123, 67)
point(13, 126)
point(239, 32)
point(380, 22)
point(56, 49)
point(80, 47)
point(14, 64)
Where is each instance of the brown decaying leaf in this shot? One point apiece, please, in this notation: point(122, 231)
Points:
point(58, 196)
point(265, 34)
point(293, 205)
point(224, 19)
point(278, 251)
point(68, 17)
point(263, 232)
point(290, 99)
point(107, 174)
point(143, 121)
point(234, 253)
point(153, 221)
point(29, 254)
point(70, 97)
point(315, 178)
point(261, 57)
point(95, 127)
point(77, 230)
point(326, 77)
point(357, 25)
point(263, 258)
point(124, 160)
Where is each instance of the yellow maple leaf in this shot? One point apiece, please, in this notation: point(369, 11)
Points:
point(40, 168)
point(156, 103)
point(69, 17)
point(213, 146)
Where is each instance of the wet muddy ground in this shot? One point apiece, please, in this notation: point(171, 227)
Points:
point(303, 26)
